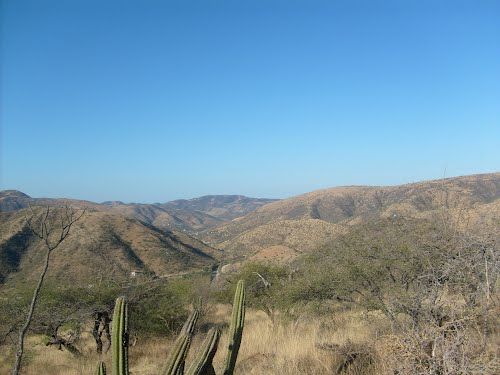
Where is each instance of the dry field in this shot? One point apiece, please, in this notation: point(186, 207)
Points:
point(305, 346)
point(301, 347)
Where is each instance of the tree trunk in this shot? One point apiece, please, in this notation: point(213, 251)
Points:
point(25, 327)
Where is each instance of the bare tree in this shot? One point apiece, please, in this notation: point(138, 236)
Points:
point(51, 226)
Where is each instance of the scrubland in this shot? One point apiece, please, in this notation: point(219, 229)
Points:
point(347, 342)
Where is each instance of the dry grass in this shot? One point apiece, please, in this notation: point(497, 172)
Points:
point(292, 348)
point(306, 346)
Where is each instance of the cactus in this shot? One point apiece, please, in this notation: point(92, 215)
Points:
point(236, 328)
point(101, 368)
point(202, 365)
point(176, 359)
point(119, 339)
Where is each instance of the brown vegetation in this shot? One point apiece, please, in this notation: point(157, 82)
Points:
point(351, 280)
point(306, 221)
point(103, 245)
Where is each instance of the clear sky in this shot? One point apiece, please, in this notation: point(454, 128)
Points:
point(156, 100)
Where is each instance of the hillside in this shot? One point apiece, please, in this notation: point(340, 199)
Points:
point(13, 200)
point(306, 221)
point(283, 229)
point(101, 245)
point(189, 215)
point(221, 207)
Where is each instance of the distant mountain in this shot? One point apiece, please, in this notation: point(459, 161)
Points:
point(222, 207)
point(244, 228)
point(305, 222)
point(189, 215)
point(101, 245)
point(11, 200)
point(114, 238)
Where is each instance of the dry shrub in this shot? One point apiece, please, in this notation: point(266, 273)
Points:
point(459, 351)
point(308, 346)
point(354, 359)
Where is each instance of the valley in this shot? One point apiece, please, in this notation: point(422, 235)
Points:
point(343, 267)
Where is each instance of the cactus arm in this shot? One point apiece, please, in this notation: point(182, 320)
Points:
point(119, 338)
point(236, 328)
point(189, 325)
point(177, 357)
point(101, 368)
point(202, 364)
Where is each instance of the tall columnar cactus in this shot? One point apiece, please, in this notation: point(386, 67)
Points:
point(176, 359)
point(101, 368)
point(236, 328)
point(202, 364)
point(119, 338)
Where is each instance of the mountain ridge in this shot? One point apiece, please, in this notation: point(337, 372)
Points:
point(306, 221)
point(190, 215)
point(251, 228)
point(100, 243)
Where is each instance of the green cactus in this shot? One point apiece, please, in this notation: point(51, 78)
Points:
point(101, 368)
point(202, 364)
point(176, 360)
point(177, 357)
point(119, 338)
point(236, 328)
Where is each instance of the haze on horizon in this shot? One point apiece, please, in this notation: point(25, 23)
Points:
point(154, 101)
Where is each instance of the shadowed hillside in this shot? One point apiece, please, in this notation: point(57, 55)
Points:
point(100, 245)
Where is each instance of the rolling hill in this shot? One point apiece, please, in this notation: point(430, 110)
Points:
point(221, 207)
point(189, 215)
point(305, 222)
point(115, 238)
point(100, 245)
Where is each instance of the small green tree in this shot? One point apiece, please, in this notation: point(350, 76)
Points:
point(266, 285)
point(160, 309)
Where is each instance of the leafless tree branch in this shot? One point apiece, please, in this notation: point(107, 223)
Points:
point(43, 222)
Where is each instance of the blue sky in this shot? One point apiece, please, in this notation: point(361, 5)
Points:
point(156, 100)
